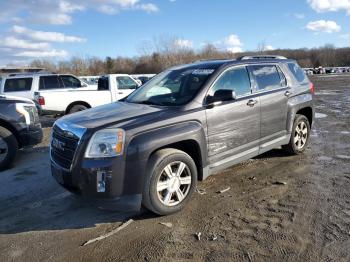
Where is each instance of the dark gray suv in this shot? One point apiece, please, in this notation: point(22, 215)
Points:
point(185, 124)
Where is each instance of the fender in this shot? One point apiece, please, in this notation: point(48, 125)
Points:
point(294, 105)
point(142, 145)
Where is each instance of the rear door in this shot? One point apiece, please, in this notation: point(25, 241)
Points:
point(233, 126)
point(270, 84)
point(21, 87)
point(125, 86)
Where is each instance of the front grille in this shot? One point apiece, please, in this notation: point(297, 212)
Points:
point(63, 147)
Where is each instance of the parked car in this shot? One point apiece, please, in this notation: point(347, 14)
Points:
point(25, 85)
point(19, 127)
point(110, 88)
point(184, 125)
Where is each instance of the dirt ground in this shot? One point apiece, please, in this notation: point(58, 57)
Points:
point(303, 217)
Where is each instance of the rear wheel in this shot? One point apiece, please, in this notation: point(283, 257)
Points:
point(171, 180)
point(77, 108)
point(300, 135)
point(8, 148)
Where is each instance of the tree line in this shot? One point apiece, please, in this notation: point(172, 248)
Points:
point(166, 55)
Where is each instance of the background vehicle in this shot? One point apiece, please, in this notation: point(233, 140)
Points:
point(19, 127)
point(90, 80)
point(110, 88)
point(143, 78)
point(187, 123)
point(25, 85)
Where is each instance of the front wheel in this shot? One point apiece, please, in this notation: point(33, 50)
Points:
point(77, 108)
point(170, 182)
point(8, 148)
point(300, 135)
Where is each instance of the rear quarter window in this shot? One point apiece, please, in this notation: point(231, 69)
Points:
point(18, 84)
point(267, 77)
point(297, 72)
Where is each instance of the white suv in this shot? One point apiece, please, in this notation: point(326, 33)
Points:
point(25, 85)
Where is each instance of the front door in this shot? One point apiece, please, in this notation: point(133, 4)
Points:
point(233, 126)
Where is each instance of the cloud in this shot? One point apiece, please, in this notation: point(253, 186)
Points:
point(16, 43)
point(268, 48)
point(323, 26)
point(231, 43)
point(330, 5)
point(42, 54)
point(299, 15)
point(183, 43)
point(45, 36)
point(60, 12)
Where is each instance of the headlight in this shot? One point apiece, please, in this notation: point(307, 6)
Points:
point(28, 111)
point(106, 143)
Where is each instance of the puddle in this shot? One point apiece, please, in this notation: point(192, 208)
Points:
point(345, 132)
point(320, 115)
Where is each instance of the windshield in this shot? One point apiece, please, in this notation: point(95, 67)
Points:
point(171, 88)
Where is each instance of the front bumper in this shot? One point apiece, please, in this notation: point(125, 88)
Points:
point(100, 182)
point(31, 136)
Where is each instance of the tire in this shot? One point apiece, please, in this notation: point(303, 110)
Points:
point(8, 148)
point(299, 139)
point(77, 108)
point(165, 199)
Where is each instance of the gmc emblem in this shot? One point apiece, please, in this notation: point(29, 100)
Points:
point(58, 144)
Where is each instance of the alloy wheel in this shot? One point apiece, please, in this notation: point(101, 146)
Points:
point(174, 183)
point(300, 135)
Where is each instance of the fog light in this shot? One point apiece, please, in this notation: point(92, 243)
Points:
point(101, 181)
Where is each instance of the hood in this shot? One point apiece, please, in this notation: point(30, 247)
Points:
point(111, 114)
point(15, 99)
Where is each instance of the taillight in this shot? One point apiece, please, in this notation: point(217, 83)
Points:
point(41, 101)
point(312, 88)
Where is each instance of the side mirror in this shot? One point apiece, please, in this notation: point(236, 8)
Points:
point(82, 84)
point(223, 95)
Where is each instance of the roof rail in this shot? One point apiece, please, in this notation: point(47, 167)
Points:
point(262, 57)
point(29, 73)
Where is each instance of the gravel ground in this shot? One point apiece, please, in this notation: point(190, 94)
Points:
point(305, 216)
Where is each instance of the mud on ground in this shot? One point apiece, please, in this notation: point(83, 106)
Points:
point(303, 217)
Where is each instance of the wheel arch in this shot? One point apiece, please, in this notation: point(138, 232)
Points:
point(12, 129)
point(69, 107)
point(188, 137)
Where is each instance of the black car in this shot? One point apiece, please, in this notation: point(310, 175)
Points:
point(187, 123)
point(19, 127)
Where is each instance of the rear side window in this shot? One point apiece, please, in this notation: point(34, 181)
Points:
point(298, 73)
point(125, 82)
point(267, 77)
point(236, 79)
point(70, 81)
point(49, 82)
point(18, 84)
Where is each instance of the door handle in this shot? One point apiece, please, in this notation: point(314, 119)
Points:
point(287, 93)
point(120, 93)
point(252, 102)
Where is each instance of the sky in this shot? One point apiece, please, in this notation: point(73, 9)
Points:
point(60, 29)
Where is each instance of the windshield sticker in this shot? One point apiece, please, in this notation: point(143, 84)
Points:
point(203, 71)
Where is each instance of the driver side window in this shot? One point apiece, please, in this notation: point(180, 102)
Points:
point(236, 79)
